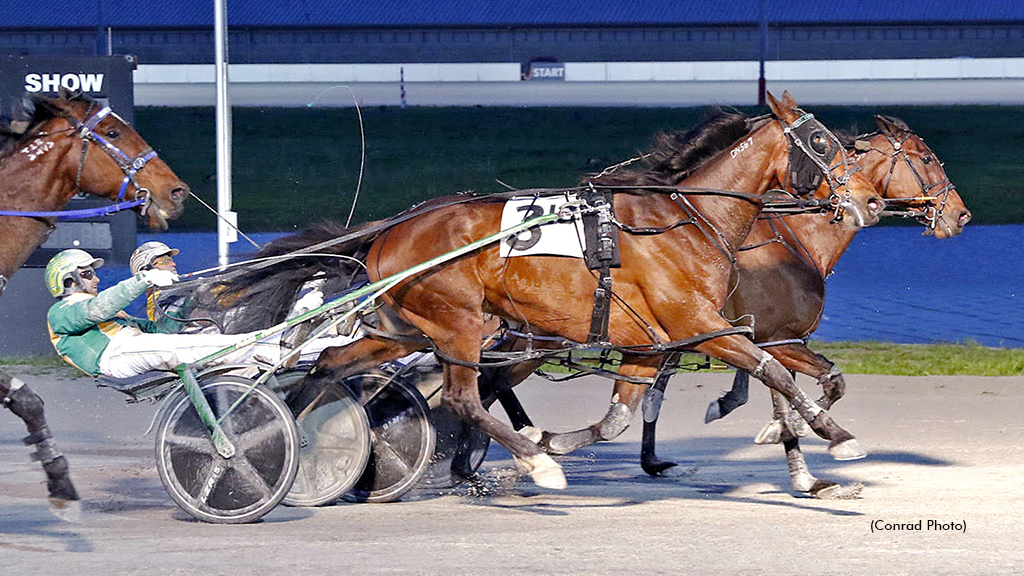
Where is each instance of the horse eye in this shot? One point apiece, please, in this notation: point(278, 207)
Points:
point(927, 159)
point(819, 142)
point(113, 134)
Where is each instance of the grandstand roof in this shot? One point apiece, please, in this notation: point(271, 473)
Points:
point(393, 13)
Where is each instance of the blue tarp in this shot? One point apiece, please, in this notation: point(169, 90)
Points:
point(63, 14)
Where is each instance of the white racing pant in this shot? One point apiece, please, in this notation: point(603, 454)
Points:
point(131, 353)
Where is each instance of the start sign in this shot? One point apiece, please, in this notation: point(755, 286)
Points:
point(547, 71)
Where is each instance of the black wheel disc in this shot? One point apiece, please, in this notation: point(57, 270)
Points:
point(402, 437)
point(228, 490)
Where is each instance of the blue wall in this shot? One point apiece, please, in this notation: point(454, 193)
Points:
point(388, 13)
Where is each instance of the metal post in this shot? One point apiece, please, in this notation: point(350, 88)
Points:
point(223, 132)
point(762, 19)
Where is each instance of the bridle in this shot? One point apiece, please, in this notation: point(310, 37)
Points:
point(130, 166)
point(86, 130)
point(818, 145)
point(931, 214)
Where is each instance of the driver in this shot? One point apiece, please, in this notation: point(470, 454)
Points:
point(90, 330)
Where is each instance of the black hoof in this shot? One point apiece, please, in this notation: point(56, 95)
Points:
point(655, 467)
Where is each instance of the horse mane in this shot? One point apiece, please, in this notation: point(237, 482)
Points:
point(674, 155)
point(28, 113)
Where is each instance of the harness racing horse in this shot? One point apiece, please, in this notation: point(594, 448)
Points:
point(44, 161)
point(668, 293)
point(781, 281)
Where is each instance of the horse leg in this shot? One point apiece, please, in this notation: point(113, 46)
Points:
point(743, 354)
point(649, 461)
point(27, 405)
point(802, 359)
point(799, 473)
point(461, 393)
point(625, 400)
point(498, 383)
point(731, 400)
point(796, 357)
point(337, 362)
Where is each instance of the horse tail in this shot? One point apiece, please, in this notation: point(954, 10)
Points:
point(263, 293)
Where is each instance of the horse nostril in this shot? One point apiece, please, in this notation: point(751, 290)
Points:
point(876, 205)
point(178, 194)
point(964, 218)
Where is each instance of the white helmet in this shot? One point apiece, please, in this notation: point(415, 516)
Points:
point(142, 258)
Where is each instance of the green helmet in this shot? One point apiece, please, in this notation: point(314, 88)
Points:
point(63, 265)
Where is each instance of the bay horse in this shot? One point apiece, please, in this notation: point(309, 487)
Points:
point(44, 161)
point(671, 287)
point(780, 283)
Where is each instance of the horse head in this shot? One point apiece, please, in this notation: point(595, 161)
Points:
point(814, 163)
point(124, 166)
point(903, 166)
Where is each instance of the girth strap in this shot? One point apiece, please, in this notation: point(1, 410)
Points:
point(602, 254)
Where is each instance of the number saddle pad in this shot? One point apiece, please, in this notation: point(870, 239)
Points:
point(559, 238)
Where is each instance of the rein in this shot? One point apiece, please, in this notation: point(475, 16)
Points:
point(86, 131)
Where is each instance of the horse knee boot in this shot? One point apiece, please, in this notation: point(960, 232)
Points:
point(28, 406)
point(615, 421)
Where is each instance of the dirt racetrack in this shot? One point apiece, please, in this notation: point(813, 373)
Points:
point(943, 449)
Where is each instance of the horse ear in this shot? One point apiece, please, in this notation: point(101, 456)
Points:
point(891, 126)
point(774, 104)
point(65, 93)
point(788, 101)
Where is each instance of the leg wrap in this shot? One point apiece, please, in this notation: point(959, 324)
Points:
point(652, 404)
point(28, 406)
point(615, 421)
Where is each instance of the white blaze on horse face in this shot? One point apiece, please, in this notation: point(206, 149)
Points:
point(37, 148)
point(741, 147)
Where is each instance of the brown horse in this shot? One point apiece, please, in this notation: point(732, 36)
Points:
point(781, 280)
point(780, 283)
point(44, 161)
point(671, 287)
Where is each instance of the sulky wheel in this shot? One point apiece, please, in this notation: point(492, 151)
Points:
point(402, 437)
point(334, 435)
point(228, 490)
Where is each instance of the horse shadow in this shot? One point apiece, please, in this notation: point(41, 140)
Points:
point(717, 469)
point(34, 520)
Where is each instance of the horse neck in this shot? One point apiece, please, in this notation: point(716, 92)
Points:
point(43, 184)
point(750, 169)
point(815, 239)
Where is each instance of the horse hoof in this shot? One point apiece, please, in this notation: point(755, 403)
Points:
point(770, 434)
point(67, 510)
point(714, 412)
point(660, 468)
point(532, 433)
point(543, 470)
point(847, 450)
point(834, 491)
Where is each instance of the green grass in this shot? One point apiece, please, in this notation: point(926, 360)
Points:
point(851, 357)
point(922, 360)
point(296, 165)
